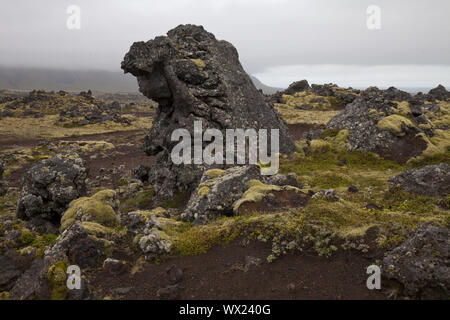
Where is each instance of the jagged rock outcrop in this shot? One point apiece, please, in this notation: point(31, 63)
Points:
point(421, 263)
point(374, 125)
point(195, 77)
point(439, 93)
point(218, 191)
point(431, 180)
point(49, 187)
point(297, 86)
point(73, 246)
point(395, 94)
point(340, 96)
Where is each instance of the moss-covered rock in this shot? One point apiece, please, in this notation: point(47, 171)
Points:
point(319, 146)
point(214, 173)
point(256, 192)
point(100, 208)
point(57, 277)
point(203, 191)
point(394, 124)
point(4, 295)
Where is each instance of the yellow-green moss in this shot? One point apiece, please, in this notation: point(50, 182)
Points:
point(256, 192)
point(97, 208)
point(354, 232)
point(140, 200)
point(393, 124)
point(203, 191)
point(57, 277)
point(98, 230)
point(339, 141)
point(320, 146)
point(159, 211)
point(199, 63)
point(214, 173)
point(402, 108)
point(375, 114)
point(4, 295)
point(26, 237)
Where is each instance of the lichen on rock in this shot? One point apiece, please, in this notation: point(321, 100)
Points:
point(421, 263)
point(50, 186)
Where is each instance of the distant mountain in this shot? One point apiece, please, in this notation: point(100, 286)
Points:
point(18, 78)
point(261, 86)
point(68, 80)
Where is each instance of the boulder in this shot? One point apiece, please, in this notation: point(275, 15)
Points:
point(395, 94)
point(218, 191)
point(431, 180)
point(265, 198)
point(374, 126)
point(101, 208)
point(73, 246)
point(50, 186)
point(438, 93)
point(421, 263)
point(195, 77)
point(224, 192)
point(137, 221)
point(297, 86)
point(154, 243)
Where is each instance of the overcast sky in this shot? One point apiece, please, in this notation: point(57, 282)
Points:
point(278, 40)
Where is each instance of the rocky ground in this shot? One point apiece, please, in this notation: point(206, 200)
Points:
point(364, 179)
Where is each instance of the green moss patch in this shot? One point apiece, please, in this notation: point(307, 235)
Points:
point(97, 208)
point(393, 124)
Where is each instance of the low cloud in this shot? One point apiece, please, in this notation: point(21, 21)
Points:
point(407, 76)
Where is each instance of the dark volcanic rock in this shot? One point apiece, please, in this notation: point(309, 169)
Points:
point(141, 173)
point(395, 94)
point(223, 192)
point(438, 93)
point(3, 188)
point(324, 90)
point(8, 271)
point(218, 193)
point(361, 118)
point(50, 186)
point(195, 77)
point(431, 180)
point(74, 245)
point(32, 282)
point(421, 263)
point(294, 87)
point(297, 86)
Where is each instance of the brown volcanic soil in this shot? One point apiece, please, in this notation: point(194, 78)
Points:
point(298, 131)
point(129, 156)
point(219, 274)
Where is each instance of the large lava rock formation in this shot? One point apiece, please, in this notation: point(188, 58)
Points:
point(195, 77)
